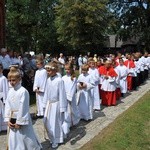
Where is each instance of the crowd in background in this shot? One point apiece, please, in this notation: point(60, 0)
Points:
point(70, 88)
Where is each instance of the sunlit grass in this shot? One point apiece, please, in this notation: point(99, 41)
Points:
point(130, 131)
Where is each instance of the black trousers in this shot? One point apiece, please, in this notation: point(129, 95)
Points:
point(146, 74)
point(134, 83)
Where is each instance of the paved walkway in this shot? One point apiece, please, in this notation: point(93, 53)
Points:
point(85, 131)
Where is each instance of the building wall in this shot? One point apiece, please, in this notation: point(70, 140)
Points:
point(2, 23)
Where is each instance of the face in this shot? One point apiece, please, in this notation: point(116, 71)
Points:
point(67, 69)
point(107, 65)
point(98, 63)
point(84, 71)
point(121, 62)
point(39, 65)
point(129, 56)
point(113, 57)
point(92, 64)
point(14, 81)
point(51, 72)
point(61, 55)
point(119, 55)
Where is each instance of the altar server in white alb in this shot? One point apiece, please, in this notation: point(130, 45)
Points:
point(123, 76)
point(72, 115)
point(39, 86)
point(93, 71)
point(84, 94)
point(20, 131)
point(3, 94)
point(55, 105)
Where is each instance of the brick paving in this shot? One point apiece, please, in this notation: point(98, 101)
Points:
point(85, 131)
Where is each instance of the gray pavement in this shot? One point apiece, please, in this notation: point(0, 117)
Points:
point(85, 131)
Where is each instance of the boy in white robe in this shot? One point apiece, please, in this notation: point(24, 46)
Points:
point(3, 94)
point(72, 115)
point(39, 86)
point(20, 131)
point(84, 94)
point(93, 71)
point(55, 105)
point(123, 76)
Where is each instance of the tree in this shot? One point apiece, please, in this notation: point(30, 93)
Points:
point(133, 19)
point(30, 24)
point(81, 24)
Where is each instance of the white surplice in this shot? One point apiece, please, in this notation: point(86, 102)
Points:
point(3, 94)
point(72, 115)
point(17, 106)
point(95, 91)
point(142, 63)
point(137, 66)
point(109, 84)
point(55, 104)
point(118, 77)
point(40, 83)
point(84, 97)
point(123, 77)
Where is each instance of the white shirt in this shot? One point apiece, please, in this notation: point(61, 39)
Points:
point(5, 61)
point(62, 61)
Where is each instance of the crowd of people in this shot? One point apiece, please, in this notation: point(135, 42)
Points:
point(64, 95)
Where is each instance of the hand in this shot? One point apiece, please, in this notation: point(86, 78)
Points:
point(16, 126)
point(80, 86)
point(37, 91)
point(106, 77)
point(10, 125)
point(84, 85)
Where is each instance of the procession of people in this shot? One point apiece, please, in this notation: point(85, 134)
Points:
point(67, 90)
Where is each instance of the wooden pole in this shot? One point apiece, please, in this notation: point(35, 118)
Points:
point(2, 23)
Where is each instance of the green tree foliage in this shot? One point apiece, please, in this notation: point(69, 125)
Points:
point(133, 19)
point(81, 24)
point(30, 24)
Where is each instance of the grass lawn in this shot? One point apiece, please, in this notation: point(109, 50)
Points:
point(130, 131)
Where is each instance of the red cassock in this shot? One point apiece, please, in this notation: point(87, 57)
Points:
point(108, 96)
point(129, 64)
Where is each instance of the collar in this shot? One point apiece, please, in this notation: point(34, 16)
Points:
point(53, 77)
point(17, 86)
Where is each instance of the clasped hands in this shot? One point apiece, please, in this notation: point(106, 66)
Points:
point(13, 126)
point(83, 86)
point(106, 77)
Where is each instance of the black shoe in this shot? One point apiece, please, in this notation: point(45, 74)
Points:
point(35, 117)
point(40, 117)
